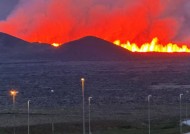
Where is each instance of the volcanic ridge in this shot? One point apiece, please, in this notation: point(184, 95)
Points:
point(88, 48)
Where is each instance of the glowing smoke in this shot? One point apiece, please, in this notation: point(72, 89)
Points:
point(64, 20)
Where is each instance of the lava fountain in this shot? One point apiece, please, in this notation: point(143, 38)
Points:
point(153, 46)
point(56, 44)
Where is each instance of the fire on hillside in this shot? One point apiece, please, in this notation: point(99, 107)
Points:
point(153, 46)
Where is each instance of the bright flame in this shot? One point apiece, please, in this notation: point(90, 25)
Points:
point(56, 44)
point(153, 46)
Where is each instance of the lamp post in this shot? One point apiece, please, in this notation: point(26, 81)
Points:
point(13, 93)
point(28, 116)
point(28, 104)
point(52, 120)
point(83, 108)
point(149, 113)
point(89, 104)
point(180, 123)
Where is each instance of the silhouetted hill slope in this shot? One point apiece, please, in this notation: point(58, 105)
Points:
point(85, 49)
point(92, 48)
point(15, 48)
point(11, 41)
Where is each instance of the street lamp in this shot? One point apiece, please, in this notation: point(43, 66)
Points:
point(180, 122)
point(89, 103)
point(13, 93)
point(82, 81)
point(52, 120)
point(28, 103)
point(149, 113)
point(28, 116)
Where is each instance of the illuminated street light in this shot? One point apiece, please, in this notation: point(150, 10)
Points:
point(180, 122)
point(89, 103)
point(149, 113)
point(13, 93)
point(83, 109)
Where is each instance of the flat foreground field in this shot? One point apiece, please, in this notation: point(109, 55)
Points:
point(106, 119)
point(119, 91)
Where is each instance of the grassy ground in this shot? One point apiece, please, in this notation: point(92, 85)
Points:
point(59, 129)
point(114, 119)
point(100, 127)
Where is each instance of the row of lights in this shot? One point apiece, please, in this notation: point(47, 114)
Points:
point(13, 93)
point(148, 98)
point(180, 121)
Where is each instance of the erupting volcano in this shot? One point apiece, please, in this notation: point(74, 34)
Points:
point(153, 46)
point(60, 21)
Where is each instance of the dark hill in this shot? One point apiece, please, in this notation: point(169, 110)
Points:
point(85, 49)
point(92, 48)
point(7, 40)
point(15, 48)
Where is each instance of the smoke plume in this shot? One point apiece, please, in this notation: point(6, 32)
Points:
point(134, 20)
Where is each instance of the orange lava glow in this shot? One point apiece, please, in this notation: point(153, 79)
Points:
point(153, 46)
point(56, 44)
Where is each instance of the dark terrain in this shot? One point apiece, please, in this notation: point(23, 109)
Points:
point(119, 88)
